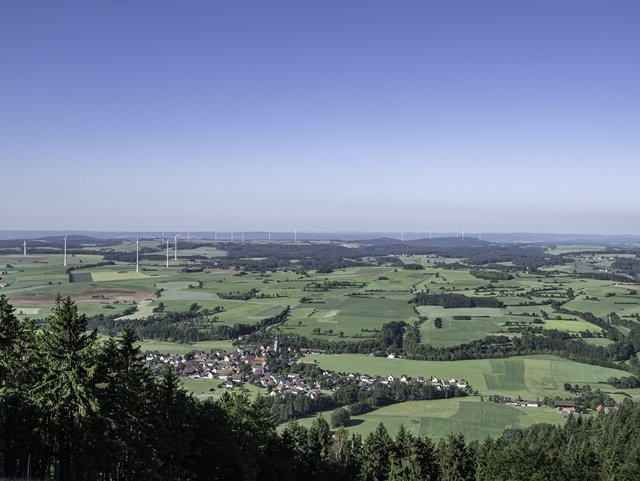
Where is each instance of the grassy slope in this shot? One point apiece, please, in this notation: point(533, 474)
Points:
point(530, 377)
point(436, 419)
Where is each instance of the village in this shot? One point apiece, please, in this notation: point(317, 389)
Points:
point(263, 367)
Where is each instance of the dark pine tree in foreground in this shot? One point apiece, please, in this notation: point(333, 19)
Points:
point(66, 394)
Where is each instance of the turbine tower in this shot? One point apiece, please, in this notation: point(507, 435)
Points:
point(295, 235)
point(138, 253)
point(269, 235)
point(65, 250)
point(24, 245)
point(175, 246)
point(167, 252)
point(401, 236)
point(242, 236)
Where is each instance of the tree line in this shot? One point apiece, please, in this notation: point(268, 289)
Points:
point(449, 301)
point(188, 326)
point(492, 275)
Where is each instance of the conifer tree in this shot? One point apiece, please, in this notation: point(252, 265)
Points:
point(402, 466)
point(456, 460)
point(318, 445)
point(175, 431)
point(129, 408)
point(424, 459)
point(19, 439)
point(66, 393)
point(375, 456)
point(294, 438)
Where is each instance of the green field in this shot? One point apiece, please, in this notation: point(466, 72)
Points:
point(179, 348)
point(483, 322)
point(209, 388)
point(438, 418)
point(105, 275)
point(348, 315)
point(176, 348)
point(530, 377)
point(569, 248)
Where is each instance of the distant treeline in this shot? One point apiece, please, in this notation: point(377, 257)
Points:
point(146, 254)
point(449, 301)
point(263, 257)
point(628, 382)
point(413, 266)
point(492, 275)
point(190, 326)
point(329, 285)
point(604, 276)
point(330, 256)
point(238, 295)
point(89, 266)
point(629, 265)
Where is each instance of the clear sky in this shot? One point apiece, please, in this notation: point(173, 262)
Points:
point(323, 115)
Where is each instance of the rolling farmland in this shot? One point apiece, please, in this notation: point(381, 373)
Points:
point(353, 303)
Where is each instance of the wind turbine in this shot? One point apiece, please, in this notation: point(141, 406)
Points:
point(295, 235)
point(65, 249)
point(215, 236)
point(24, 245)
point(463, 233)
point(188, 236)
point(127, 243)
point(175, 246)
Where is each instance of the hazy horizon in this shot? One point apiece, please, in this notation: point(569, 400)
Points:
point(491, 116)
point(348, 236)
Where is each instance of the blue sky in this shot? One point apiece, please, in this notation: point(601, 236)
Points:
point(324, 115)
